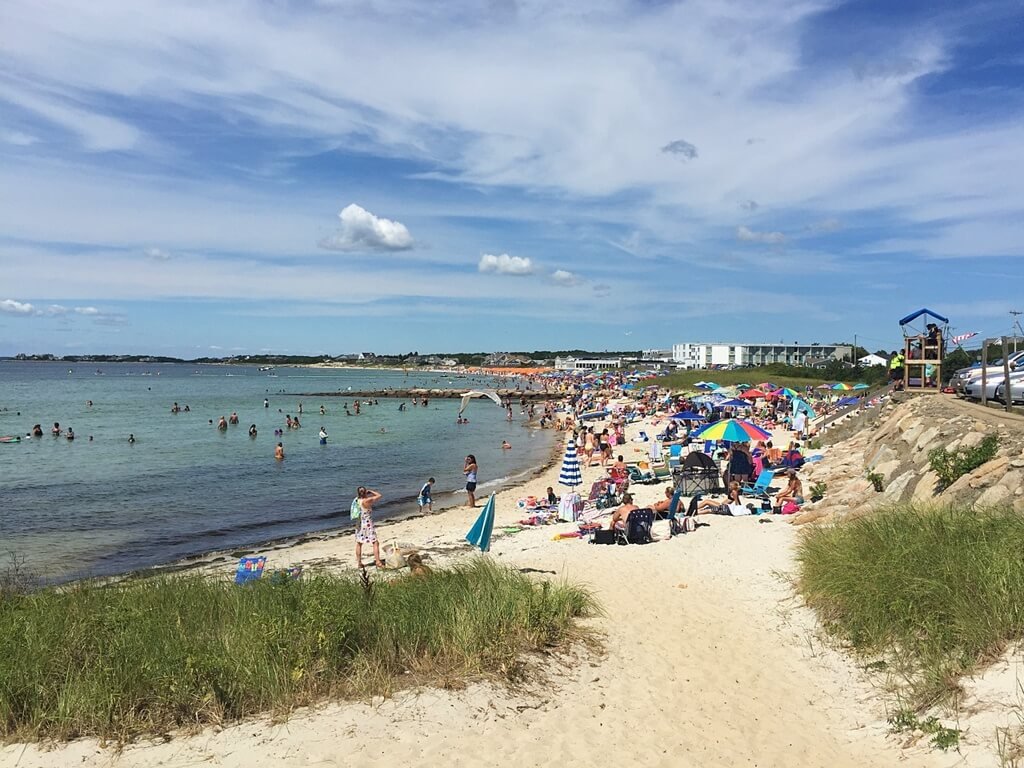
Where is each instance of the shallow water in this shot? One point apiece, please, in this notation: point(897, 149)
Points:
point(106, 506)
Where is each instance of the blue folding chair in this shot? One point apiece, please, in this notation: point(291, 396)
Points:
point(760, 488)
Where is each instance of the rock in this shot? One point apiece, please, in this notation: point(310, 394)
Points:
point(882, 455)
point(925, 488)
point(1017, 462)
point(926, 438)
point(894, 490)
point(994, 496)
point(910, 436)
point(808, 516)
point(887, 469)
point(971, 439)
point(988, 472)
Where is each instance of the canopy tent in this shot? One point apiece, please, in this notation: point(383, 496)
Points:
point(914, 315)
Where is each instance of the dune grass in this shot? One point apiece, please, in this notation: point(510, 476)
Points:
point(782, 375)
point(936, 592)
point(144, 657)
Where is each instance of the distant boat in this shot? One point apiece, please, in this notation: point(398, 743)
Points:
point(267, 368)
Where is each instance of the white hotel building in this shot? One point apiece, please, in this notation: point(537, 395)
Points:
point(702, 354)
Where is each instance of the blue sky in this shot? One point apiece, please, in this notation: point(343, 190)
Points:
point(328, 176)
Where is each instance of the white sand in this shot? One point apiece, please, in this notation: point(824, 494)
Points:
point(710, 662)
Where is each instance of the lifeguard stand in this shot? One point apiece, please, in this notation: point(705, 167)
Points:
point(923, 352)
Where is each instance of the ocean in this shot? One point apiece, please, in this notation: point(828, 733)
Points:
point(98, 507)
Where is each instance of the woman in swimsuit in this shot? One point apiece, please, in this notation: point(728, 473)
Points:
point(469, 470)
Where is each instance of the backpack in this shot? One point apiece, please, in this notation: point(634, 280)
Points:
point(355, 511)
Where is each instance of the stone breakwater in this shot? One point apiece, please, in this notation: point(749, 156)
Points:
point(894, 443)
point(510, 395)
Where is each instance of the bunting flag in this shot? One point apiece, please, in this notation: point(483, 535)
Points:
point(963, 337)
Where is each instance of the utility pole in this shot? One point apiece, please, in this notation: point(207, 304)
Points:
point(1016, 327)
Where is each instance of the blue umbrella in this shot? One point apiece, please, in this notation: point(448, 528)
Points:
point(480, 534)
point(860, 386)
point(570, 474)
point(733, 404)
point(687, 416)
point(802, 405)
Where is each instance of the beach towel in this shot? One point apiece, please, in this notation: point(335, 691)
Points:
point(355, 510)
point(250, 569)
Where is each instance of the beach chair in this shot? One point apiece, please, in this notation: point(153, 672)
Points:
point(250, 569)
point(638, 527)
point(760, 488)
point(636, 475)
point(661, 472)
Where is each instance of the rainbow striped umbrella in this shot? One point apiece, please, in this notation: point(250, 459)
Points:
point(734, 430)
point(860, 386)
point(790, 393)
point(840, 387)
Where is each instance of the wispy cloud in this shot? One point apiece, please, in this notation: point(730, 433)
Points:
point(503, 264)
point(158, 254)
point(363, 231)
point(564, 277)
point(748, 235)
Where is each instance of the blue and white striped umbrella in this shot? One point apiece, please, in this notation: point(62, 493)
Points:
point(570, 474)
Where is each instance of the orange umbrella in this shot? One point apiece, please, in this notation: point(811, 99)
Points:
point(752, 394)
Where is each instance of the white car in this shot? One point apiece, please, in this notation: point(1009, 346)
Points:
point(966, 377)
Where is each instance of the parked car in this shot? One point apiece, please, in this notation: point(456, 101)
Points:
point(1016, 390)
point(965, 376)
point(972, 390)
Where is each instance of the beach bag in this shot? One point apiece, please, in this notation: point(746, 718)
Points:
point(355, 511)
point(681, 525)
point(738, 510)
point(393, 556)
point(790, 507)
point(603, 536)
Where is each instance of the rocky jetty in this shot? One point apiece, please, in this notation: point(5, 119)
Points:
point(511, 395)
point(893, 443)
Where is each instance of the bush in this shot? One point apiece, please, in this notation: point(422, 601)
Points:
point(938, 591)
point(152, 655)
point(950, 465)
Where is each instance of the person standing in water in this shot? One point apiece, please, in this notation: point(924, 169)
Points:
point(279, 452)
point(323, 436)
point(469, 469)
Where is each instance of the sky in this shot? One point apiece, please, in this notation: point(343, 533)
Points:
point(331, 176)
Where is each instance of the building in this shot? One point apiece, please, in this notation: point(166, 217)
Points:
point(586, 364)
point(720, 354)
point(869, 360)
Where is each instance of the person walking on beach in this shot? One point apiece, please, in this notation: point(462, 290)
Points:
point(469, 470)
point(426, 501)
point(362, 508)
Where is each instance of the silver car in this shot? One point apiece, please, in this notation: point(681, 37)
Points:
point(972, 389)
point(1016, 390)
point(966, 377)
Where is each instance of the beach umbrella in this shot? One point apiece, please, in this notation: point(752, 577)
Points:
point(687, 416)
point(790, 393)
point(752, 394)
point(743, 386)
point(861, 385)
point(802, 405)
point(844, 401)
point(480, 534)
point(840, 387)
point(570, 474)
point(824, 386)
point(734, 430)
point(732, 404)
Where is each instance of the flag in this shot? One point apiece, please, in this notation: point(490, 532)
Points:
point(963, 337)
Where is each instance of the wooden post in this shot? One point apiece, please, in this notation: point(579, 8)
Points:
point(984, 369)
point(1006, 376)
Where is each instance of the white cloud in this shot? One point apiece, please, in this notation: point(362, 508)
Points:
point(158, 254)
point(564, 277)
point(504, 264)
point(18, 139)
point(750, 236)
point(362, 231)
point(89, 311)
point(12, 307)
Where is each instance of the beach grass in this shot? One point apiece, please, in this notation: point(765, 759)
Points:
point(934, 592)
point(781, 375)
point(147, 656)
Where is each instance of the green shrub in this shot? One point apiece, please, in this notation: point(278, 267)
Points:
point(152, 655)
point(876, 479)
point(935, 591)
point(950, 465)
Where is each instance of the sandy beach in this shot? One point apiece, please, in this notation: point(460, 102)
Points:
point(708, 660)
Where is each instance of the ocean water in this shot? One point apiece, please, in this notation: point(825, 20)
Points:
point(84, 508)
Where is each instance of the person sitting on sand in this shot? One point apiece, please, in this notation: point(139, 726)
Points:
point(794, 491)
point(721, 506)
point(619, 516)
point(552, 498)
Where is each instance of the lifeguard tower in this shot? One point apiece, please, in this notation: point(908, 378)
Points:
point(923, 350)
